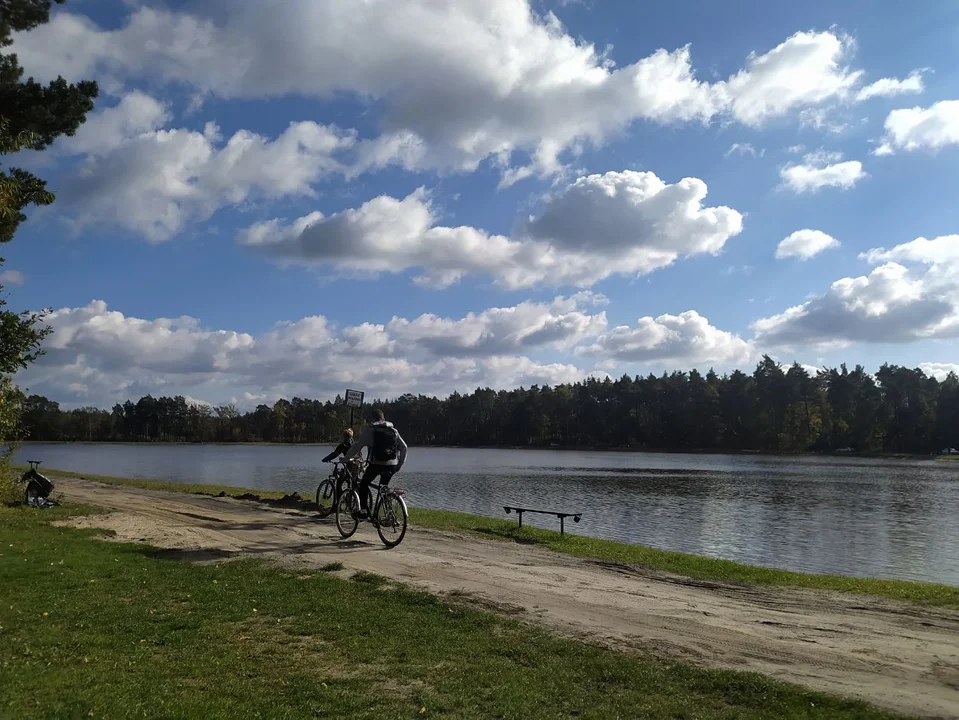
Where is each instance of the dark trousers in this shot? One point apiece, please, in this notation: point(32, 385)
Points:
point(384, 472)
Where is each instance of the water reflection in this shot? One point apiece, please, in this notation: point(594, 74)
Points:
point(858, 516)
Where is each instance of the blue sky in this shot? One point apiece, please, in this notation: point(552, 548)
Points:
point(527, 160)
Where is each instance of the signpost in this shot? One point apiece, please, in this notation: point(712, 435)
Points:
point(354, 399)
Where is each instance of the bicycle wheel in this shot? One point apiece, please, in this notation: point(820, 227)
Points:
point(391, 519)
point(345, 506)
point(325, 498)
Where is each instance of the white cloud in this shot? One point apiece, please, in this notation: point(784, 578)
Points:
point(100, 356)
point(805, 244)
point(887, 87)
point(600, 225)
point(12, 277)
point(941, 251)
point(888, 305)
point(806, 69)
point(894, 303)
point(685, 340)
point(499, 331)
point(154, 182)
point(822, 169)
point(939, 370)
point(744, 149)
point(458, 82)
point(108, 129)
point(932, 128)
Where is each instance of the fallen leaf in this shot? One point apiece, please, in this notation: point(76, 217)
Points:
point(45, 614)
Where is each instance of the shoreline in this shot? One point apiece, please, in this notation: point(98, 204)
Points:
point(688, 565)
point(538, 448)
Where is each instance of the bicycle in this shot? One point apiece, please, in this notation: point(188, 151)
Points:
point(389, 514)
point(343, 478)
point(38, 487)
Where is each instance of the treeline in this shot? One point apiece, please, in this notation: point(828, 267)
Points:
point(899, 410)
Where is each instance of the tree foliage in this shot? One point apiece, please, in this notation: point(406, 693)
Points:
point(774, 409)
point(32, 115)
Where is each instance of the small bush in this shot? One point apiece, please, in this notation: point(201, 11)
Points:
point(12, 489)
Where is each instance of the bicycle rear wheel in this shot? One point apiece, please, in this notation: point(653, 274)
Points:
point(391, 519)
point(347, 504)
point(325, 498)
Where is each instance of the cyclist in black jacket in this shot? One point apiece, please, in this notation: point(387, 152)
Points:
point(343, 447)
point(388, 452)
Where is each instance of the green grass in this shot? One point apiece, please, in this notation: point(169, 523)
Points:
point(693, 566)
point(96, 629)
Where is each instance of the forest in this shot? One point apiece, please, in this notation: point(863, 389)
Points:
point(774, 409)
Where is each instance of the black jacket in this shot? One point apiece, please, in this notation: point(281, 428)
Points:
point(340, 449)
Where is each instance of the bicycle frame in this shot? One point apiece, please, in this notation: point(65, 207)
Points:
point(381, 491)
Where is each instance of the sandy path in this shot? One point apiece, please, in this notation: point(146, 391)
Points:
point(900, 657)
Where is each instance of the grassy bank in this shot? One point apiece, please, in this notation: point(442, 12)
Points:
point(95, 629)
point(693, 566)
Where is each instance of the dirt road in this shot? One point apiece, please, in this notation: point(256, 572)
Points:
point(900, 657)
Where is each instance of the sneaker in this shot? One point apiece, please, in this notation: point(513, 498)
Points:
point(361, 515)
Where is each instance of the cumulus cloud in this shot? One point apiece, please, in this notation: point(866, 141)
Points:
point(457, 82)
point(941, 251)
point(822, 169)
point(912, 295)
point(931, 128)
point(939, 370)
point(887, 87)
point(686, 339)
point(808, 68)
point(805, 244)
point(599, 225)
point(154, 181)
point(108, 129)
point(101, 356)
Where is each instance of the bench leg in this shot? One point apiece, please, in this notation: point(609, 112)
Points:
point(520, 513)
point(562, 526)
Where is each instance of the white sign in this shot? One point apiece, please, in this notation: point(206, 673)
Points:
point(354, 398)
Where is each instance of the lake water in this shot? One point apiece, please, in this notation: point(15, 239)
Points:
point(850, 516)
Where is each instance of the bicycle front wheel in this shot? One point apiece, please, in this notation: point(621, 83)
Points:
point(391, 519)
point(325, 498)
point(347, 504)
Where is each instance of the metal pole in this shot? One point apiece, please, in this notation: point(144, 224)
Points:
point(351, 418)
point(520, 517)
point(562, 529)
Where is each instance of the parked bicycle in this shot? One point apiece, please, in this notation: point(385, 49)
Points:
point(343, 478)
point(38, 486)
point(390, 515)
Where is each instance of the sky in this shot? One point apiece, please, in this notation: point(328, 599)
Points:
point(291, 197)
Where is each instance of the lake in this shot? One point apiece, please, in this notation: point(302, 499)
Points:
point(848, 516)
